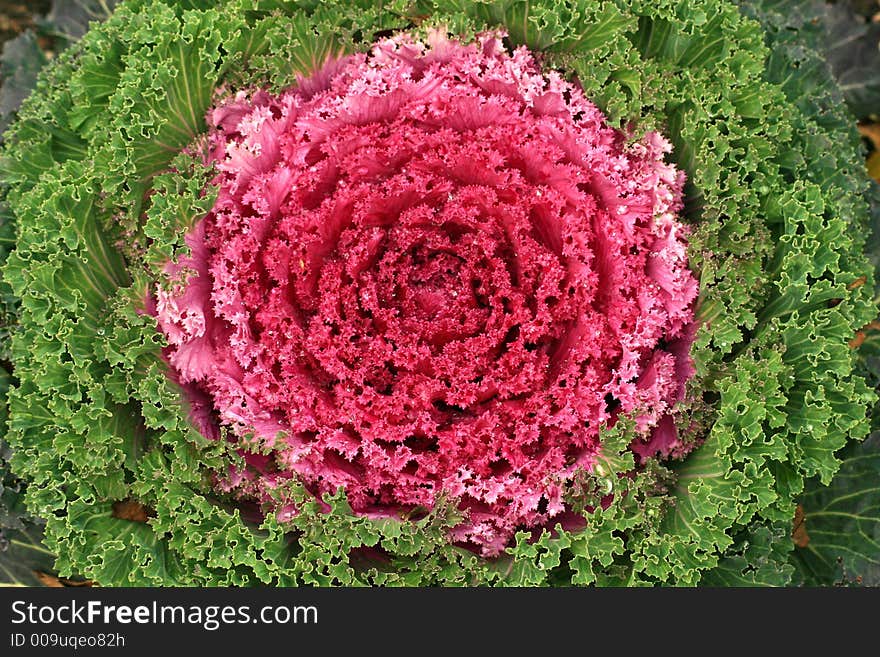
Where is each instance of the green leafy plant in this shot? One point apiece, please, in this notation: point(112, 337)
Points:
point(103, 185)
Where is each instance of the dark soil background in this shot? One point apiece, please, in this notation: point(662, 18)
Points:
point(16, 17)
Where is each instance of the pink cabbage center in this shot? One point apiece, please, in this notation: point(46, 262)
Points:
point(431, 270)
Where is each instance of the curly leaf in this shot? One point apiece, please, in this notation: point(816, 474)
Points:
point(758, 558)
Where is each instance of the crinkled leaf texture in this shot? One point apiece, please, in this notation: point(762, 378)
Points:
point(22, 553)
point(102, 198)
point(853, 50)
point(849, 556)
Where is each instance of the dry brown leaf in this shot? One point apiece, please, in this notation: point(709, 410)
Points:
point(799, 530)
point(49, 580)
point(55, 582)
point(874, 166)
point(77, 583)
point(872, 132)
point(132, 510)
point(862, 335)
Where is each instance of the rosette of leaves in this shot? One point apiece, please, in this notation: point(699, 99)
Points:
point(103, 190)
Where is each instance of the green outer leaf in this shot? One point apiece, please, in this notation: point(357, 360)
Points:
point(853, 50)
point(758, 558)
point(22, 555)
point(843, 522)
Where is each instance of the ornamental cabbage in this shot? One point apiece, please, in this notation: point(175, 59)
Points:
point(432, 271)
point(433, 293)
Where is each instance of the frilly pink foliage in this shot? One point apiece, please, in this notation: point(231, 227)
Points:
point(432, 269)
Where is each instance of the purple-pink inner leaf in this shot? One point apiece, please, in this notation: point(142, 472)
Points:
point(432, 269)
